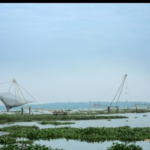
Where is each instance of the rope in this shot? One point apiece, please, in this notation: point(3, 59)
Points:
point(117, 92)
point(18, 93)
point(28, 92)
point(22, 94)
point(5, 82)
point(24, 98)
point(110, 89)
point(121, 90)
point(10, 86)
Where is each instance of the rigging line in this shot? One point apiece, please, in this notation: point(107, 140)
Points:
point(116, 93)
point(22, 94)
point(120, 91)
point(5, 82)
point(110, 89)
point(28, 92)
point(18, 93)
point(10, 87)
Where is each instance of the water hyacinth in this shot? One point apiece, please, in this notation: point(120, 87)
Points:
point(55, 123)
point(4, 118)
point(89, 134)
point(27, 147)
point(122, 146)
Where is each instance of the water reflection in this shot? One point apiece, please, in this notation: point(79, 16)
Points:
point(74, 145)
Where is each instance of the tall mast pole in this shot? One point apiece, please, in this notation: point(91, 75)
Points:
point(121, 87)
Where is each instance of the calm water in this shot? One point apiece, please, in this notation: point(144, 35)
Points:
point(140, 121)
point(77, 145)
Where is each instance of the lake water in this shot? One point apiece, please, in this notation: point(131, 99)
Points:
point(134, 120)
point(77, 145)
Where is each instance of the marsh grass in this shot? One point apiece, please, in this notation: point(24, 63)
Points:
point(49, 117)
point(55, 123)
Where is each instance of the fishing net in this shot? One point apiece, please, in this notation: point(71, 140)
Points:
point(10, 100)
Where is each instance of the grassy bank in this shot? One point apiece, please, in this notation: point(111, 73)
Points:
point(49, 117)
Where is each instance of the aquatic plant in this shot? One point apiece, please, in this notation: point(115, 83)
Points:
point(3, 121)
point(89, 134)
point(49, 117)
point(26, 147)
point(55, 123)
point(108, 119)
point(7, 140)
point(122, 146)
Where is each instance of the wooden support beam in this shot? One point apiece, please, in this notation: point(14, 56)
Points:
point(108, 108)
point(29, 110)
point(21, 110)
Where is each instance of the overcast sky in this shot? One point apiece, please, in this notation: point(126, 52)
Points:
point(76, 52)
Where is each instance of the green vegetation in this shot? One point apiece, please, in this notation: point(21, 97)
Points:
point(90, 134)
point(122, 146)
point(108, 119)
point(5, 122)
point(55, 123)
point(7, 140)
point(25, 147)
point(49, 117)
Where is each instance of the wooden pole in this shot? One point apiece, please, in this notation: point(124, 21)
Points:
point(117, 109)
point(108, 108)
point(29, 110)
point(136, 109)
point(22, 110)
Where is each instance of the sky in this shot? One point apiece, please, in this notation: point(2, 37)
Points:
point(76, 52)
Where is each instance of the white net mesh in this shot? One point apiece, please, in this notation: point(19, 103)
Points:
point(10, 100)
point(14, 100)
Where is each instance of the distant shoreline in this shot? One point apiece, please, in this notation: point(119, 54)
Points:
point(80, 105)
